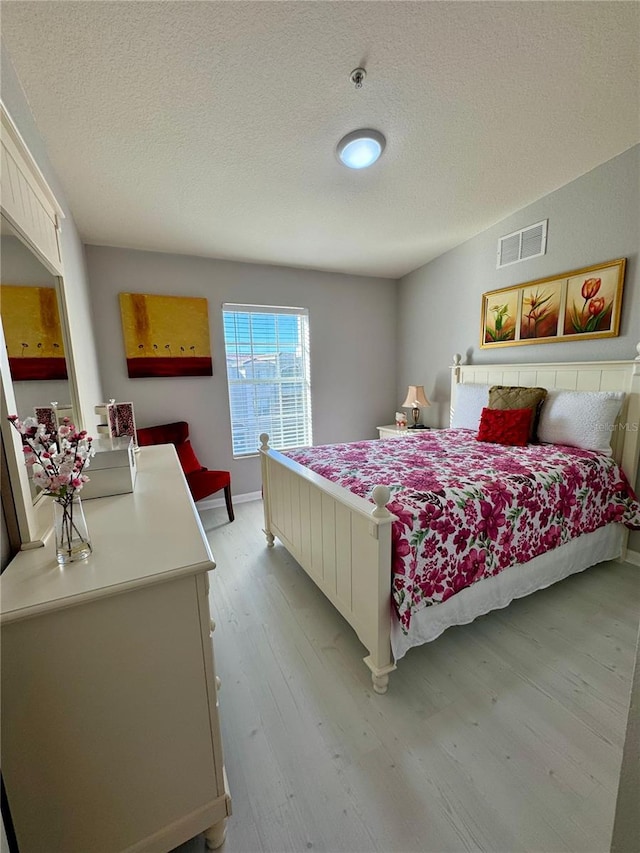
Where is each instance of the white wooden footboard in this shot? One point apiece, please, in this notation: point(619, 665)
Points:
point(341, 543)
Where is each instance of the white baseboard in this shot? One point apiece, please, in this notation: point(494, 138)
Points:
point(633, 557)
point(214, 503)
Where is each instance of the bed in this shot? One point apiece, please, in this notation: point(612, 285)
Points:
point(344, 541)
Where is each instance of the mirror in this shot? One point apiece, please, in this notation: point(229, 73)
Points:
point(33, 329)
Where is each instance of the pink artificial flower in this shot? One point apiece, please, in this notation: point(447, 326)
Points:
point(58, 465)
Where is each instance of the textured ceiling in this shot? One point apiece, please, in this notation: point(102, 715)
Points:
point(209, 128)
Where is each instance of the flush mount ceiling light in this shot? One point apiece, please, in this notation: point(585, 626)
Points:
point(361, 148)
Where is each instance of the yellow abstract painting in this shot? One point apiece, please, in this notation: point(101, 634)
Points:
point(166, 335)
point(32, 332)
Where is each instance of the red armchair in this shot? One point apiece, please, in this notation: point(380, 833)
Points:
point(201, 481)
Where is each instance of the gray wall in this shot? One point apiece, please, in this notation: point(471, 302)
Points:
point(593, 219)
point(352, 323)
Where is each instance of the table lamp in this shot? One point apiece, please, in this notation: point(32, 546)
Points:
point(416, 400)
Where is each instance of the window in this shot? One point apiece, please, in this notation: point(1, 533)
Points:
point(268, 371)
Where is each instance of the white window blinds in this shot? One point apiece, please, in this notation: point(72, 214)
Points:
point(267, 352)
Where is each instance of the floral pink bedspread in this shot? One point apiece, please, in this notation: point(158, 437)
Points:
point(468, 509)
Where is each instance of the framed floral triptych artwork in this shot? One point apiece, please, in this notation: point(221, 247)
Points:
point(576, 305)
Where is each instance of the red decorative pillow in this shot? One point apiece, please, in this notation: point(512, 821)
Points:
point(188, 458)
point(505, 426)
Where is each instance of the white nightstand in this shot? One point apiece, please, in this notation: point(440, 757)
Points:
point(392, 431)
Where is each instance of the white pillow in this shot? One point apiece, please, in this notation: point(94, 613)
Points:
point(584, 419)
point(469, 402)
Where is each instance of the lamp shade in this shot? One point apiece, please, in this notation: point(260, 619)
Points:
point(416, 398)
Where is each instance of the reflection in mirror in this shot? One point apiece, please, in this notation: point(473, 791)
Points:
point(31, 323)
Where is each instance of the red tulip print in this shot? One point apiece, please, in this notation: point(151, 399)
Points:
point(594, 309)
point(590, 288)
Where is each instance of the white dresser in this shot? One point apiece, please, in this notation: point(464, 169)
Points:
point(110, 731)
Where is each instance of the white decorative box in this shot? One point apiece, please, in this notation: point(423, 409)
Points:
point(112, 471)
point(118, 419)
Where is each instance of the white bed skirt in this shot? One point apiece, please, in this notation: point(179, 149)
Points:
point(515, 582)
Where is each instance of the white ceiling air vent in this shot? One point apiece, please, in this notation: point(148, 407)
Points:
point(527, 243)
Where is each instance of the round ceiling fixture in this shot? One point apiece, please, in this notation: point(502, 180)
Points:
point(361, 148)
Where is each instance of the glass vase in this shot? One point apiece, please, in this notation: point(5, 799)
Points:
point(70, 527)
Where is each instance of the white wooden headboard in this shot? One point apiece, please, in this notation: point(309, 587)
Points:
point(573, 376)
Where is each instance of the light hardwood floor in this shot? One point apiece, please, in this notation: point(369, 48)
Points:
point(503, 735)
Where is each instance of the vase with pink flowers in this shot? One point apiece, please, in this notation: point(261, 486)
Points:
point(58, 461)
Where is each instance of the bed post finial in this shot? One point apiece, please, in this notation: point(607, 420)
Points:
point(264, 460)
point(381, 496)
point(455, 373)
